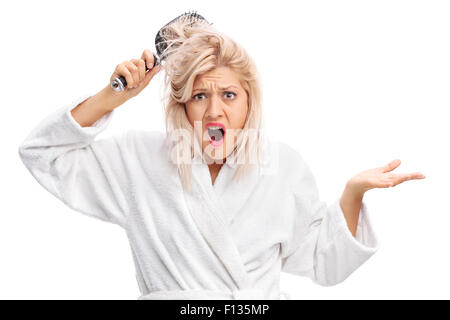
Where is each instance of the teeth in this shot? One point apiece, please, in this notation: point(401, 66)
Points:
point(214, 127)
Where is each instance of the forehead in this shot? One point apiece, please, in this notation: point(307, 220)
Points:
point(220, 77)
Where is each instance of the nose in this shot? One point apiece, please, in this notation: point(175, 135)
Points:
point(214, 109)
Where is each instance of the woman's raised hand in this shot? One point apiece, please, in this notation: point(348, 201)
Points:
point(135, 74)
point(381, 177)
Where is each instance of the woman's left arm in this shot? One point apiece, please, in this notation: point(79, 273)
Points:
point(355, 188)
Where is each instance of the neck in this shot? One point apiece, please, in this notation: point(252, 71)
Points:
point(214, 169)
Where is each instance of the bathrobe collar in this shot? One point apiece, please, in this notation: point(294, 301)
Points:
point(231, 163)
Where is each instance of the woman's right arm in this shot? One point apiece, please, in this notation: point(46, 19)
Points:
point(95, 107)
point(88, 175)
point(107, 99)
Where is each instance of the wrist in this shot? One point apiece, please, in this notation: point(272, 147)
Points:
point(353, 191)
point(110, 98)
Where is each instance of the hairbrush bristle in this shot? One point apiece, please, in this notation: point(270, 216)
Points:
point(190, 17)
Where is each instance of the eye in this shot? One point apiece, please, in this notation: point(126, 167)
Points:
point(227, 93)
point(199, 94)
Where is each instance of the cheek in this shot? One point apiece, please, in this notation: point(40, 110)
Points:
point(193, 114)
point(240, 114)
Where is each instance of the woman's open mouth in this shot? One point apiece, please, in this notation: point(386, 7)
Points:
point(216, 133)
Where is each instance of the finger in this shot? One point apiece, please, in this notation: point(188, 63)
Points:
point(390, 179)
point(150, 74)
point(149, 59)
point(133, 69)
point(387, 182)
point(391, 165)
point(122, 70)
point(400, 178)
point(156, 60)
point(417, 175)
point(140, 63)
point(409, 176)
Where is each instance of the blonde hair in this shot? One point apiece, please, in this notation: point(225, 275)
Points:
point(194, 49)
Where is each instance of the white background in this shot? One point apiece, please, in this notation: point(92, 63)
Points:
point(351, 85)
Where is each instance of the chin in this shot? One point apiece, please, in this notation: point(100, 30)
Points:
point(215, 154)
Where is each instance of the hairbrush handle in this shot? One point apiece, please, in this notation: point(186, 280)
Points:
point(119, 83)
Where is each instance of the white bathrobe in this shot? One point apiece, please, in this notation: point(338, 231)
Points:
point(224, 241)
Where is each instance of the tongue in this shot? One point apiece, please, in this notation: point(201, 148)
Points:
point(215, 134)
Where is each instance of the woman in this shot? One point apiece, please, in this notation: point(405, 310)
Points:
point(212, 209)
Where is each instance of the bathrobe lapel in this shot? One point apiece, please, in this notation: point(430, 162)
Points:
point(207, 211)
point(233, 195)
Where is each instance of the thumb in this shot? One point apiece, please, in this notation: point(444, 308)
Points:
point(391, 165)
point(150, 74)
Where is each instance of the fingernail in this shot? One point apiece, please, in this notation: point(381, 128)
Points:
point(150, 65)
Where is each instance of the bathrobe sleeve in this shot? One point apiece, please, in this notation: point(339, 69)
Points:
point(86, 175)
point(321, 246)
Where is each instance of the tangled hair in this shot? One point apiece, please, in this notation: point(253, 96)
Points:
point(194, 49)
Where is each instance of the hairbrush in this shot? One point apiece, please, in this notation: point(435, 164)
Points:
point(119, 83)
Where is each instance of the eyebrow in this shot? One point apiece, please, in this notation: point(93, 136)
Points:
point(224, 88)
